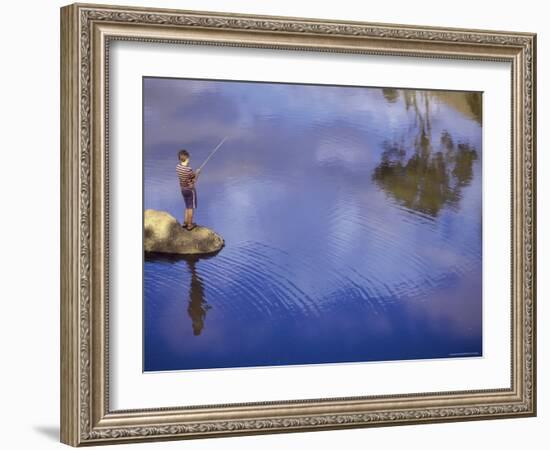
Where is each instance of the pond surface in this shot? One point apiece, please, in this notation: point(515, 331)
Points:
point(351, 216)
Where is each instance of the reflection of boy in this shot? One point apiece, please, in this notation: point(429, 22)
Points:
point(187, 179)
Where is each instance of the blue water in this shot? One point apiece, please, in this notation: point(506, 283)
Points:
point(351, 218)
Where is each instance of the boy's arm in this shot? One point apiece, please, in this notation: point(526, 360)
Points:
point(194, 177)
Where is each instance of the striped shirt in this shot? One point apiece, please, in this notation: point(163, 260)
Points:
point(186, 176)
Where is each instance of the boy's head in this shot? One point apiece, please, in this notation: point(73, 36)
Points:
point(183, 155)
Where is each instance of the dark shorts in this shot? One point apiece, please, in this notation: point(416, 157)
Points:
point(190, 197)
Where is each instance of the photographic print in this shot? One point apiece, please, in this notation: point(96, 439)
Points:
point(296, 224)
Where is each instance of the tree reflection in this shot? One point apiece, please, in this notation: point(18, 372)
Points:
point(390, 94)
point(421, 174)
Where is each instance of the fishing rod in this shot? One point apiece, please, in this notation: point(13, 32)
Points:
point(212, 154)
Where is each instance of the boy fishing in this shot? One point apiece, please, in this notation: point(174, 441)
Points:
point(188, 178)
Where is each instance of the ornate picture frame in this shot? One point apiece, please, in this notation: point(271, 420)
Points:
point(87, 31)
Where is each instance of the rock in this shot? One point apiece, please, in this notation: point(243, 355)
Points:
point(164, 234)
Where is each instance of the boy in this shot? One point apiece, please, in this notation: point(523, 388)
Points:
point(187, 179)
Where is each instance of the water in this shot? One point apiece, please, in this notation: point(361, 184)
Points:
point(352, 221)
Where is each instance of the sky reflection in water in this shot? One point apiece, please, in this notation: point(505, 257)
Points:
point(352, 220)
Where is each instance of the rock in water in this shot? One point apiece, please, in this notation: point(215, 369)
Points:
point(163, 234)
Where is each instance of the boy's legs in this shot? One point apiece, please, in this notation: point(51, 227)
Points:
point(188, 216)
point(190, 198)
